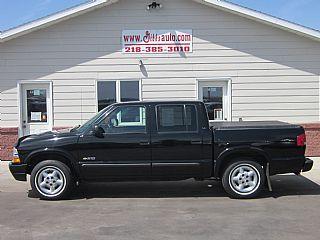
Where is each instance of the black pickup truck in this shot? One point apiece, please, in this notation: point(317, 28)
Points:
point(160, 141)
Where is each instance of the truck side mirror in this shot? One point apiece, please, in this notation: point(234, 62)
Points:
point(98, 131)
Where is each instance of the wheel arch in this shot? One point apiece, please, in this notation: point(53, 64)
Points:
point(51, 154)
point(230, 155)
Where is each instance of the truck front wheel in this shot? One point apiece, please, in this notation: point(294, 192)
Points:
point(51, 180)
point(243, 179)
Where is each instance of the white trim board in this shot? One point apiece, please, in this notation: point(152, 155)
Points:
point(263, 18)
point(218, 4)
point(53, 19)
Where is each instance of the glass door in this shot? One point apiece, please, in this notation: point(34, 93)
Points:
point(214, 96)
point(36, 108)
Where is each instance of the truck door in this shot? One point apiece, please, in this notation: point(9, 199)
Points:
point(177, 147)
point(123, 151)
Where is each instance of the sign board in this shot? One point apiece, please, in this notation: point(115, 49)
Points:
point(36, 116)
point(157, 41)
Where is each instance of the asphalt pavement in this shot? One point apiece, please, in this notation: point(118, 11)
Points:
point(163, 210)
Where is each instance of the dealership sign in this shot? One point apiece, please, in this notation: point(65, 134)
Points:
point(157, 41)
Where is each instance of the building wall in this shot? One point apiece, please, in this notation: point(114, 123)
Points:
point(8, 137)
point(313, 139)
point(275, 74)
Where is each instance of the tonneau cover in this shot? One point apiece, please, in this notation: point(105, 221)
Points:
point(252, 125)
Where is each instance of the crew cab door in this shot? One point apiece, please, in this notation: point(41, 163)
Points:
point(124, 149)
point(177, 143)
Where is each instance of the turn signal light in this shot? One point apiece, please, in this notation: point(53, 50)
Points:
point(301, 140)
point(15, 159)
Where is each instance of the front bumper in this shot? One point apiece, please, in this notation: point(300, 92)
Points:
point(19, 171)
point(308, 164)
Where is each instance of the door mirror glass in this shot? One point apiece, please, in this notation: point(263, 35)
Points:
point(98, 131)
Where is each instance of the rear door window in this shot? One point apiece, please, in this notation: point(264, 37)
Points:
point(176, 118)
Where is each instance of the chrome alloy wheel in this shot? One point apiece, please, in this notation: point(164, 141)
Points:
point(244, 179)
point(50, 181)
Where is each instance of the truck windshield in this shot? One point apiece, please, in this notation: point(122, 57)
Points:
point(92, 120)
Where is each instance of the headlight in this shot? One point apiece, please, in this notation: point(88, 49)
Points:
point(15, 156)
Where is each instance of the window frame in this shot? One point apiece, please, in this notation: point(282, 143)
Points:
point(225, 82)
point(116, 108)
point(118, 89)
point(184, 114)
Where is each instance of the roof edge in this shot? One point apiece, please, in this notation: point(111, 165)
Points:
point(219, 4)
point(263, 18)
point(53, 19)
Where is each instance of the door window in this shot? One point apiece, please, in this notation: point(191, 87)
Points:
point(128, 119)
point(37, 106)
point(177, 118)
point(110, 92)
point(213, 99)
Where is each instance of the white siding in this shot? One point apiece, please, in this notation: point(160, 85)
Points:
point(275, 74)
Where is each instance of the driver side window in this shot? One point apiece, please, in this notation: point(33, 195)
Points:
point(126, 119)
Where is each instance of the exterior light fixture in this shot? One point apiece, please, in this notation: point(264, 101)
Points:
point(154, 5)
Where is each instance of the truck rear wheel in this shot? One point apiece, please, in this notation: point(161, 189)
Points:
point(51, 180)
point(243, 179)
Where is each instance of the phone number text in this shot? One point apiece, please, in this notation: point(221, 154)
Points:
point(156, 49)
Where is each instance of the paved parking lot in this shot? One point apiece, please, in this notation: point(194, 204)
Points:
point(163, 210)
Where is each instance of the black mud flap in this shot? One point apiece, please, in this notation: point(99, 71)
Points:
point(268, 177)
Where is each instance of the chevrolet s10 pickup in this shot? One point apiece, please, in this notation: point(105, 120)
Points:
point(160, 141)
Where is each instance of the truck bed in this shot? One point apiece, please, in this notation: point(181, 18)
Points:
point(252, 125)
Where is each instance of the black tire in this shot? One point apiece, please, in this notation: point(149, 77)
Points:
point(59, 177)
point(244, 179)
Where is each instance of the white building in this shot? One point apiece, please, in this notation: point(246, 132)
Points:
point(59, 70)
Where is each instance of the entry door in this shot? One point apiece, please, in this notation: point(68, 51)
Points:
point(215, 97)
point(36, 108)
point(177, 147)
point(123, 151)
